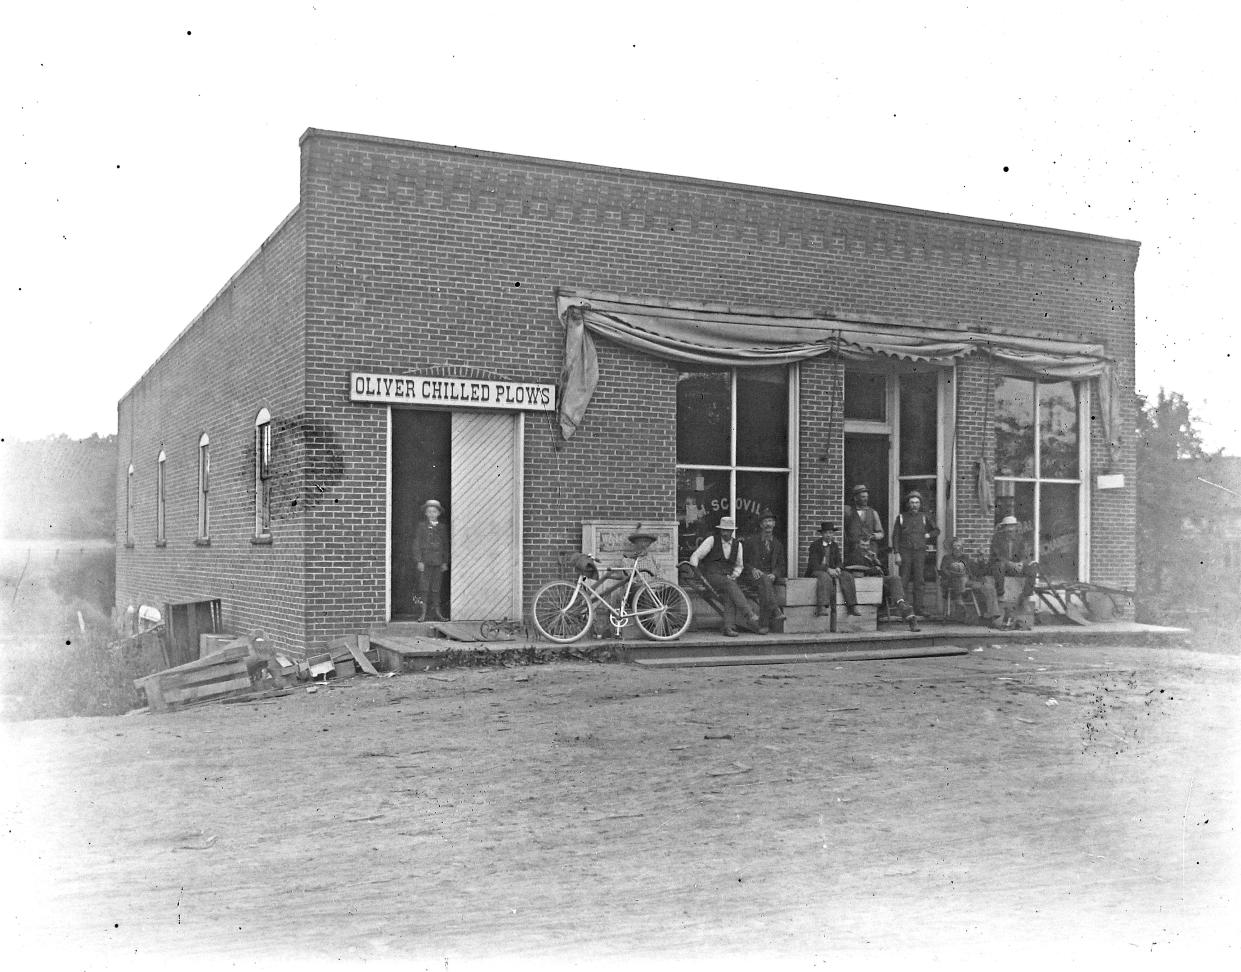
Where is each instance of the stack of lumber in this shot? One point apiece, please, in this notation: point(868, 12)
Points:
point(223, 673)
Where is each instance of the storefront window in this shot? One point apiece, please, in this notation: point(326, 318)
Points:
point(866, 396)
point(1014, 427)
point(1057, 430)
point(732, 450)
point(1038, 477)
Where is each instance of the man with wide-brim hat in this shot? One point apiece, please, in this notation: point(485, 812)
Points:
point(863, 528)
point(766, 569)
point(721, 559)
point(913, 530)
point(1010, 557)
point(431, 557)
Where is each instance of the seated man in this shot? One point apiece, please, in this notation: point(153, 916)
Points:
point(722, 563)
point(1008, 557)
point(826, 565)
point(960, 574)
point(765, 569)
point(863, 562)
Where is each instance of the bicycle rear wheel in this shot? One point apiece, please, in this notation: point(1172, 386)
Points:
point(663, 611)
point(561, 612)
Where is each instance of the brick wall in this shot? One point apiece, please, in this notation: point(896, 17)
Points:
point(242, 354)
point(416, 257)
point(421, 256)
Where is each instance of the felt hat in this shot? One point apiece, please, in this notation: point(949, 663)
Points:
point(639, 535)
point(766, 515)
point(860, 488)
point(826, 527)
point(433, 502)
point(727, 523)
point(1009, 521)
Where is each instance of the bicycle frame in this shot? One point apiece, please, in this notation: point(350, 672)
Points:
point(633, 582)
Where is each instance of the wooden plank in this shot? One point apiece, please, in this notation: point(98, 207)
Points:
point(195, 692)
point(359, 655)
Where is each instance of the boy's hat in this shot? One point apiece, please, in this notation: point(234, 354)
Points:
point(826, 527)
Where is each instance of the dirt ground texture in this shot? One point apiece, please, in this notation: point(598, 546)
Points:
point(1014, 801)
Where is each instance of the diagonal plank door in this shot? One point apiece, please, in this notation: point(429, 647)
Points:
point(486, 516)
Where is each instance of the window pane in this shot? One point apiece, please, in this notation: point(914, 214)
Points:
point(763, 416)
point(1014, 427)
point(704, 422)
point(757, 492)
point(702, 498)
point(919, 421)
point(1057, 548)
point(1057, 427)
point(1016, 499)
point(866, 396)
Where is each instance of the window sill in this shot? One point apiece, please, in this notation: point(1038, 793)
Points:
point(261, 541)
point(161, 544)
point(203, 542)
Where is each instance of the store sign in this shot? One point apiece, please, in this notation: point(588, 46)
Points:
point(451, 392)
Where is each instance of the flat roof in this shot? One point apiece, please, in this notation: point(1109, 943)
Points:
point(470, 153)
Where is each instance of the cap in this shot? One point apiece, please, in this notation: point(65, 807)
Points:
point(860, 488)
point(911, 494)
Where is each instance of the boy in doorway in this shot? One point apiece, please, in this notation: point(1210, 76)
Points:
point(431, 556)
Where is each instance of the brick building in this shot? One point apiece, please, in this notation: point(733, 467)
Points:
point(733, 347)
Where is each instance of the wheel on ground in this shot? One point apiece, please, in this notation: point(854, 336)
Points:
point(663, 611)
point(561, 613)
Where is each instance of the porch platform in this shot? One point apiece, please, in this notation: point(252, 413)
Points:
point(412, 647)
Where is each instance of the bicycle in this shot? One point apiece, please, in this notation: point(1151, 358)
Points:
point(563, 611)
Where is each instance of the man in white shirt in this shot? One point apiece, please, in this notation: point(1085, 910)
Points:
point(721, 563)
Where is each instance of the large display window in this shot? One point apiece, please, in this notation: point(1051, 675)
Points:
point(1039, 457)
point(733, 445)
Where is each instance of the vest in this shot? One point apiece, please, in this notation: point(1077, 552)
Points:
point(716, 554)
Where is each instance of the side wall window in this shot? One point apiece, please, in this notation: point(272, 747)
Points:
point(129, 506)
point(262, 474)
point(204, 487)
point(160, 494)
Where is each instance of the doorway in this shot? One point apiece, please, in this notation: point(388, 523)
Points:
point(470, 462)
point(421, 470)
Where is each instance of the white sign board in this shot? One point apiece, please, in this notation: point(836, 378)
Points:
point(451, 392)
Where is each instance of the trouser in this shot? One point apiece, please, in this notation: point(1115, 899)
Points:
point(429, 581)
point(768, 602)
point(894, 594)
point(825, 589)
point(1029, 572)
point(912, 563)
point(730, 594)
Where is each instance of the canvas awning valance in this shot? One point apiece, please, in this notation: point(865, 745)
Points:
point(732, 337)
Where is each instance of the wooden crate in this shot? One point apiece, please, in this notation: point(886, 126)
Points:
point(221, 674)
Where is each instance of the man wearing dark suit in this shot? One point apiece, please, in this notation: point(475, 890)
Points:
point(826, 565)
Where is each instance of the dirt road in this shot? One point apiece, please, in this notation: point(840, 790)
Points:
point(1013, 801)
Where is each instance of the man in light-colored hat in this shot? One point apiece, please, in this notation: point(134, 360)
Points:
point(1009, 557)
point(722, 561)
point(431, 556)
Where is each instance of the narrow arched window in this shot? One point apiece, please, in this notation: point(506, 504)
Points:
point(262, 474)
point(204, 487)
point(160, 493)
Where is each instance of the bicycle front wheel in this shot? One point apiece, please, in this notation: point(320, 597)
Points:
point(663, 611)
point(561, 612)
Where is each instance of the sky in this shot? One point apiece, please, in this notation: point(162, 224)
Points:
point(150, 148)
